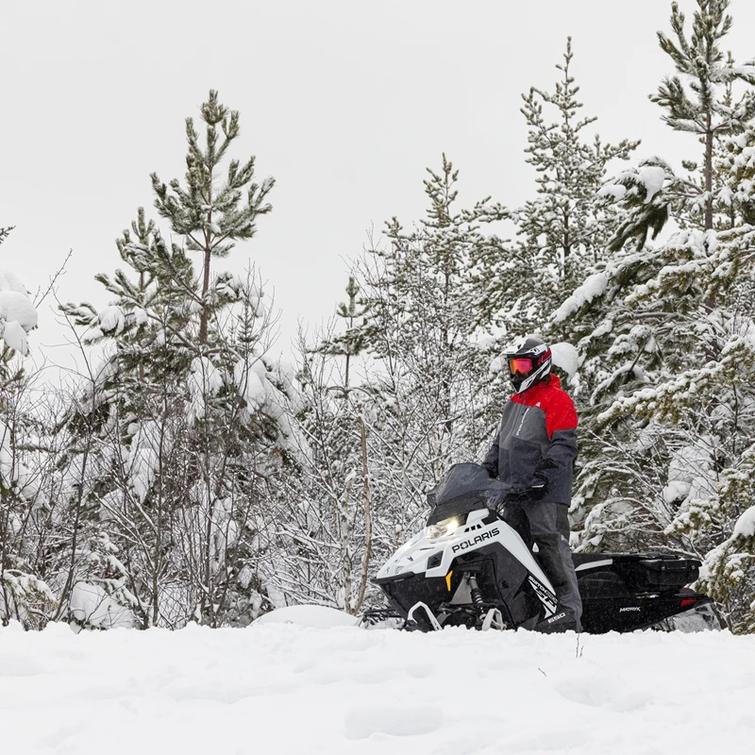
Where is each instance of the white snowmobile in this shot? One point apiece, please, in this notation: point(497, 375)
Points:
point(470, 567)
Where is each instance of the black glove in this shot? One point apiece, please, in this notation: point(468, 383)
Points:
point(517, 494)
point(496, 499)
point(532, 492)
point(538, 486)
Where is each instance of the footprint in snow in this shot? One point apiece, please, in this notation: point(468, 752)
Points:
point(400, 722)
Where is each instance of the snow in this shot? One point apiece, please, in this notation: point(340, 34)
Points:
point(284, 688)
point(595, 285)
point(91, 604)
point(205, 380)
point(11, 282)
point(745, 526)
point(652, 176)
point(613, 191)
point(112, 320)
point(15, 337)
point(17, 307)
point(17, 313)
point(496, 365)
point(486, 342)
point(687, 471)
point(566, 357)
point(309, 616)
point(144, 455)
point(249, 382)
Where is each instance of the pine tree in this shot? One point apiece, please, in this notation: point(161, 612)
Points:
point(427, 353)
point(664, 331)
point(351, 342)
point(566, 227)
point(211, 220)
point(698, 98)
point(24, 468)
point(180, 427)
point(423, 319)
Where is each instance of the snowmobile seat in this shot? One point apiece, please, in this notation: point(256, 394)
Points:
point(584, 559)
point(641, 571)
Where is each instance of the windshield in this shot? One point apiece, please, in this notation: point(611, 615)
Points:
point(464, 488)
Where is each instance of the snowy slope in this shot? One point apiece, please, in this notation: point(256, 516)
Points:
point(278, 688)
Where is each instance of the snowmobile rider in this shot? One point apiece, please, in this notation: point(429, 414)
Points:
point(534, 453)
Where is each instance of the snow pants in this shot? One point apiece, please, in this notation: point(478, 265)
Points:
point(548, 526)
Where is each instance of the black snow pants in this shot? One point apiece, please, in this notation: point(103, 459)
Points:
point(547, 525)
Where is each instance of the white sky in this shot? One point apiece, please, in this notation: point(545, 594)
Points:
point(343, 102)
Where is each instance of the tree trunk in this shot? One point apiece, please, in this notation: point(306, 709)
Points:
point(205, 314)
point(367, 554)
point(708, 175)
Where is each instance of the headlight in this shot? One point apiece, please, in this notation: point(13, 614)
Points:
point(443, 528)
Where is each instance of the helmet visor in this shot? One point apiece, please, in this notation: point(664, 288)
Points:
point(520, 366)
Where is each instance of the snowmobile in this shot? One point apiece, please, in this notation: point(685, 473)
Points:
point(474, 566)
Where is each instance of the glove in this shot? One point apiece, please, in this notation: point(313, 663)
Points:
point(496, 499)
point(532, 492)
point(538, 486)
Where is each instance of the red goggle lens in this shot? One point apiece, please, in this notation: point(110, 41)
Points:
point(520, 366)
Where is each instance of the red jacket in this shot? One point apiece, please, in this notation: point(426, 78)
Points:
point(537, 438)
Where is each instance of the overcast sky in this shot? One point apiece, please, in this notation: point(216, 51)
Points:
point(344, 103)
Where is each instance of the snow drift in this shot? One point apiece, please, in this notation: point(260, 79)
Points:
point(287, 688)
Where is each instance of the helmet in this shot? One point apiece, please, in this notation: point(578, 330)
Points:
point(529, 362)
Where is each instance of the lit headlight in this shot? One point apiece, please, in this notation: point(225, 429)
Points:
point(443, 528)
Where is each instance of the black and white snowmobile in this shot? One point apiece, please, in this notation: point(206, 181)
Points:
point(470, 567)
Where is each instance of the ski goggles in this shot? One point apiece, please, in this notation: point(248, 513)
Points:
point(520, 365)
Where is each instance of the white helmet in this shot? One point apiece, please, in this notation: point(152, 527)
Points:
point(529, 362)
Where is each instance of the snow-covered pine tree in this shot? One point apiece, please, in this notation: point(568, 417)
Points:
point(566, 226)
point(180, 427)
point(17, 315)
point(119, 423)
point(666, 339)
point(24, 463)
point(425, 367)
point(348, 341)
point(25, 488)
point(698, 98)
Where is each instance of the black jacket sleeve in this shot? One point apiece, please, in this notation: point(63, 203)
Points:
point(557, 465)
point(491, 458)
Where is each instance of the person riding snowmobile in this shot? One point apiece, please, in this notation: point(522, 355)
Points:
point(533, 453)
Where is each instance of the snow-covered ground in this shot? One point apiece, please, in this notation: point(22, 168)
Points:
point(283, 688)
